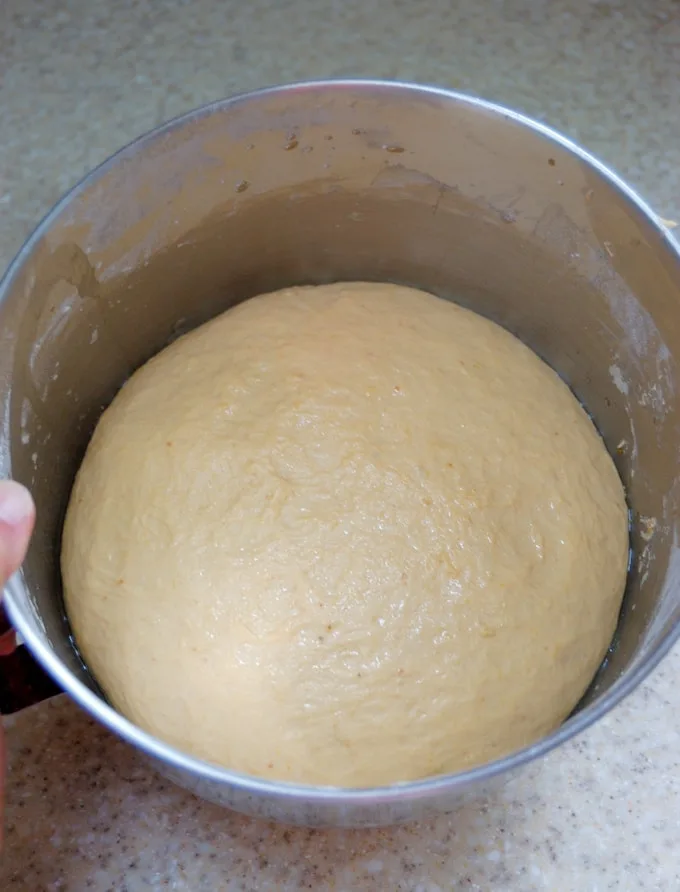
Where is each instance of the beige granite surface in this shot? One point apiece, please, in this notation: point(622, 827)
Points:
point(81, 77)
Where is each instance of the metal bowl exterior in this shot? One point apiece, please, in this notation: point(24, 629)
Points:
point(330, 181)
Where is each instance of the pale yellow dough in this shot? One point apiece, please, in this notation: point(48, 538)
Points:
point(348, 534)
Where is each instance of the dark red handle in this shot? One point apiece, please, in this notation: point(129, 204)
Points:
point(22, 681)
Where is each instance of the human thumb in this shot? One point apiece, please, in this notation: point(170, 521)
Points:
point(17, 516)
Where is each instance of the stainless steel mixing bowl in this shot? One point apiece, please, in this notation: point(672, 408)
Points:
point(330, 181)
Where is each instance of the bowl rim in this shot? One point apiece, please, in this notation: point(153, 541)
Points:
point(174, 758)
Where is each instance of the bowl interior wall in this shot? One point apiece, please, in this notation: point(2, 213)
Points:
point(275, 191)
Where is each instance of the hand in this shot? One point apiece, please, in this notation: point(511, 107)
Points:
point(17, 516)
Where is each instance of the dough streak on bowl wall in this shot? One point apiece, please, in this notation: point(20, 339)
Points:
point(348, 534)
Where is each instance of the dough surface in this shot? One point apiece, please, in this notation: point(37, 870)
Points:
point(348, 534)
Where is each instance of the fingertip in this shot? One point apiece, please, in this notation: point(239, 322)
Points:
point(16, 504)
point(17, 516)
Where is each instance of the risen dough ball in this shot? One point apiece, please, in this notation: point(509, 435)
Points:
point(350, 534)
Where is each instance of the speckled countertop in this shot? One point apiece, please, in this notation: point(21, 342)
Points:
point(81, 77)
